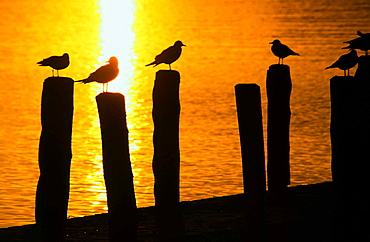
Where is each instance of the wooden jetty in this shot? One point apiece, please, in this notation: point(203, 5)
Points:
point(304, 216)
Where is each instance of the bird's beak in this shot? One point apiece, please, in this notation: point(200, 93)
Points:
point(270, 43)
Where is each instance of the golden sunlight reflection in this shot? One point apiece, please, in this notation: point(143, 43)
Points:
point(118, 39)
point(96, 186)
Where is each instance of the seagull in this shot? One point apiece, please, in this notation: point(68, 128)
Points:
point(361, 43)
point(169, 55)
point(56, 62)
point(281, 50)
point(104, 74)
point(345, 62)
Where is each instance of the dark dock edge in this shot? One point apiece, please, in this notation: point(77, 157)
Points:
point(303, 214)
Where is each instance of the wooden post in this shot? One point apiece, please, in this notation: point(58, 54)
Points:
point(279, 87)
point(362, 76)
point(350, 131)
point(55, 156)
point(166, 159)
point(342, 126)
point(122, 210)
point(363, 69)
point(363, 118)
point(248, 102)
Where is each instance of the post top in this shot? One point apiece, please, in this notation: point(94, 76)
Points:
point(279, 67)
point(58, 78)
point(168, 75)
point(247, 86)
point(109, 95)
point(168, 71)
point(343, 79)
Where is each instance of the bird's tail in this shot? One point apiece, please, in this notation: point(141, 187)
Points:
point(295, 53)
point(151, 64)
point(347, 47)
point(84, 81)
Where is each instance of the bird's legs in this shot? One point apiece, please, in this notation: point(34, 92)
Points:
point(282, 60)
point(105, 87)
point(52, 72)
point(58, 73)
point(170, 66)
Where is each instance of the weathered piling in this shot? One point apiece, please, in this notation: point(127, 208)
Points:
point(166, 159)
point(362, 75)
point(278, 88)
point(363, 68)
point(122, 210)
point(350, 132)
point(342, 126)
point(55, 154)
point(248, 102)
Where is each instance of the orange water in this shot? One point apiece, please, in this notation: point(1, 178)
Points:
point(227, 43)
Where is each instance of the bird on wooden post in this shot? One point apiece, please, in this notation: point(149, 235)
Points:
point(360, 43)
point(104, 74)
point(281, 50)
point(169, 55)
point(345, 62)
point(56, 62)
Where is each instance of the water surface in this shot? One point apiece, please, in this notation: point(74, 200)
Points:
point(227, 43)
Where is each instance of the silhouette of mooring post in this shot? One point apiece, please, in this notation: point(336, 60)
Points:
point(362, 72)
point(122, 210)
point(278, 88)
point(248, 102)
point(166, 159)
point(350, 132)
point(343, 95)
point(55, 154)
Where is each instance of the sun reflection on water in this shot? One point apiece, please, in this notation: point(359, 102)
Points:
point(117, 39)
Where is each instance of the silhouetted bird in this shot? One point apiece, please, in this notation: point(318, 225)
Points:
point(281, 50)
point(345, 62)
point(360, 43)
point(56, 62)
point(104, 74)
point(169, 55)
